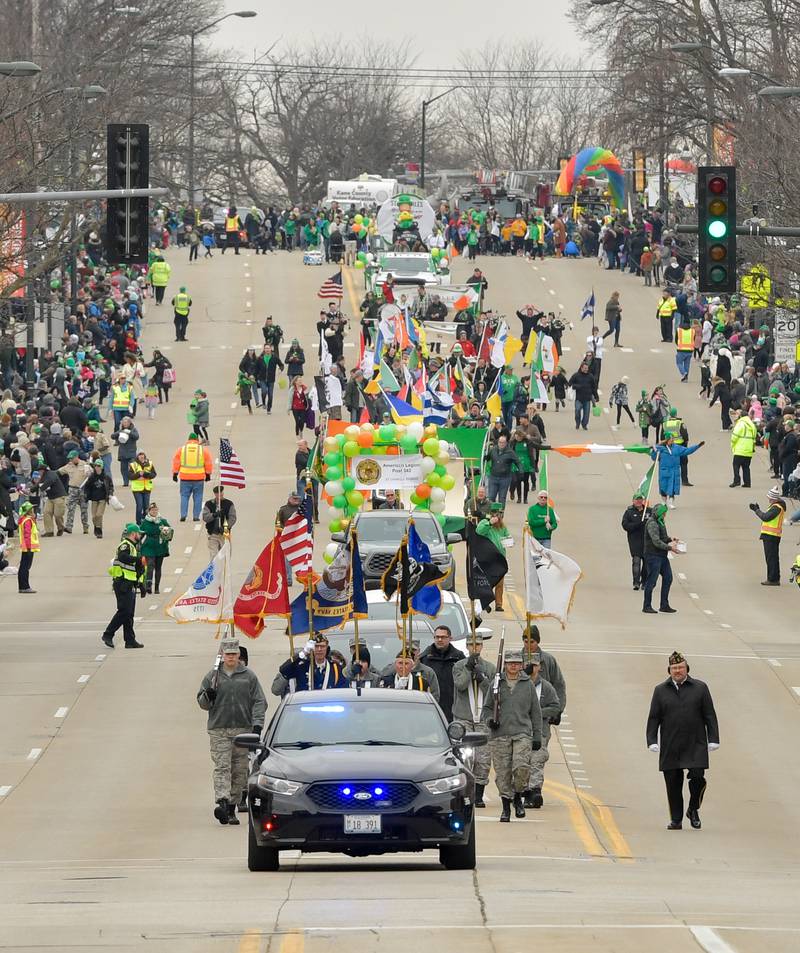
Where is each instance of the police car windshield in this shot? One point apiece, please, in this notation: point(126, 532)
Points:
point(377, 529)
point(361, 723)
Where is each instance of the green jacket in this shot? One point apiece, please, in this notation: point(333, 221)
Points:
point(240, 701)
point(537, 517)
point(508, 388)
point(520, 713)
point(153, 543)
point(485, 528)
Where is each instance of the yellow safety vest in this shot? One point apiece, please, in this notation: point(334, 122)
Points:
point(159, 273)
point(774, 527)
point(231, 223)
point(672, 428)
point(685, 339)
point(181, 303)
point(192, 462)
point(34, 534)
point(121, 399)
point(140, 482)
point(667, 308)
point(119, 570)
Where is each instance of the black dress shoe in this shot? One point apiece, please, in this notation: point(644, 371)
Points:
point(694, 819)
point(732, 485)
point(107, 641)
point(687, 484)
point(134, 645)
point(674, 826)
point(666, 609)
point(650, 610)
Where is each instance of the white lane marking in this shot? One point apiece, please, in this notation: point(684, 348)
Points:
point(725, 625)
point(682, 576)
point(153, 608)
point(693, 595)
point(796, 689)
point(61, 713)
point(248, 322)
point(83, 679)
point(248, 304)
point(33, 754)
point(348, 344)
point(5, 789)
point(584, 787)
point(496, 820)
point(228, 423)
point(168, 589)
point(99, 658)
point(552, 292)
point(655, 350)
point(606, 411)
point(233, 406)
point(561, 305)
point(248, 289)
point(187, 550)
point(710, 941)
point(708, 612)
point(774, 662)
point(197, 527)
point(178, 571)
point(627, 350)
point(194, 347)
point(582, 860)
point(628, 466)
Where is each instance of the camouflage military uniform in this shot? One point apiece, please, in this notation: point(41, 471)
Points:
point(471, 686)
point(520, 726)
point(550, 707)
point(230, 763)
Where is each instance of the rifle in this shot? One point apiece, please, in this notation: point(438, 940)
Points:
point(495, 722)
point(217, 667)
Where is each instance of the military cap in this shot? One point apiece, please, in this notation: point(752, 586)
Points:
point(320, 637)
point(477, 638)
point(676, 658)
point(230, 645)
point(513, 655)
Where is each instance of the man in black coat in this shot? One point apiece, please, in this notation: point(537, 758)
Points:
point(682, 727)
point(441, 657)
point(633, 520)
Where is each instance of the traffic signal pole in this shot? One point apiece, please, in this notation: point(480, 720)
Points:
point(751, 231)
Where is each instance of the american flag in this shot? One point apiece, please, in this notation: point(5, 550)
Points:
point(231, 471)
point(297, 542)
point(331, 287)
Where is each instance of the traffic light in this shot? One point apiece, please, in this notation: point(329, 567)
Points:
point(716, 228)
point(128, 220)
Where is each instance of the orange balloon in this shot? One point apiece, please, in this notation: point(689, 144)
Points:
point(365, 439)
point(423, 491)
point(393, 451)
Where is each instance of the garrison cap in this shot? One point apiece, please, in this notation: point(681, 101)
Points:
point(676, 658)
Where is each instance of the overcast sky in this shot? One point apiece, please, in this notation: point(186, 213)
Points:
point(439, 30)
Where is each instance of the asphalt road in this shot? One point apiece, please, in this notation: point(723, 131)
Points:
point(106, 835)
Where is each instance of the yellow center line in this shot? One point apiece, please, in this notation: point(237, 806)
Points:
point(250, 942)
point(292, 943)
point(604, 817)
point(578, 820)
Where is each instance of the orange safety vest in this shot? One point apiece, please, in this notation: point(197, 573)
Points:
point(774, 527)
point(192, 466)
point(685, 339)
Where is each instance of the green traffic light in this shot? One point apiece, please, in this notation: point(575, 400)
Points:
point(717, 229)
point(718, 275)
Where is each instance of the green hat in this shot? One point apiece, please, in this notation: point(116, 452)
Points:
point(673, 411)
point(773, 401)
point(496, 508)
point(94, 425)
point(192, 436)
point(131, 528)
point(644, 392)
point(403, 199)
point(659, 511)
point(25, 508)
point(182, 288)
point(72, 454)
point(639, 496)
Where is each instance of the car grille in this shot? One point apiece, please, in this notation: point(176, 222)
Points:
point(331, 797)
point(378, 563)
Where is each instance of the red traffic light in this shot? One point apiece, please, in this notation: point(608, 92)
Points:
point(717, 184)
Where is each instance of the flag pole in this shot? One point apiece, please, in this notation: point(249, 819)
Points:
point(353, 540)
point(278, 534)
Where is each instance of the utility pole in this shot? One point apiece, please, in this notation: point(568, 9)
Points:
point(425, 104)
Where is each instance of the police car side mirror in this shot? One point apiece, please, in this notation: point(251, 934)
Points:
point(474, 739)
point(250, 741)
point(338, 537)
point(454, 538)
point(456, 732)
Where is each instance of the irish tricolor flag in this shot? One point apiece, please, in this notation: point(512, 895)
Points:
point(579, 449)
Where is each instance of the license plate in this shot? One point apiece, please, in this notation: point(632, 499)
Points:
point(362, 823)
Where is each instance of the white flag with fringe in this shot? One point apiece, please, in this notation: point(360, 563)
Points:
point(550, 581)
point(210, 598)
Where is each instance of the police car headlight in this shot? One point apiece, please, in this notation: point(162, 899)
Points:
point(278, 785)
point(453, 782)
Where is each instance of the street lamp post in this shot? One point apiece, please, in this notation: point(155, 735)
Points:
point(19, 68)
point(425, 104)
point(243, 14)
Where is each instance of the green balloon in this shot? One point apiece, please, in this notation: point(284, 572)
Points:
point(442, 471)
point(335, 526)
point(333, 473)
point(362, 256)
point(355, 499)
point(379, 451)
point(433, 479)
point(387, 433)
point(430, 447)
point(348, 483)
point(416, 500)
point(340, 502)
point(341, 439)
point(365, 221)
point(351, 449)
point(333, 459)
point(436, 253)
point(448, 482)
point(409, 445)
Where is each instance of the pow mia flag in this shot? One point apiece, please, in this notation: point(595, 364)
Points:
point(408, 577)
point(486, 566)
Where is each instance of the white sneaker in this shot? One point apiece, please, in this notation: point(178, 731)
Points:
point(671, 505)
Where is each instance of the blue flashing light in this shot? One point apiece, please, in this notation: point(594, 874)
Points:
point(327, 709)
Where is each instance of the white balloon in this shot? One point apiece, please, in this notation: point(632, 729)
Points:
point(352, 431)
point(334, 513)
point(443, 458)
point(330, 549)
point(436, 506)
point(334, 488)
point(428, 465)
point(415, 430)
point(437, 494)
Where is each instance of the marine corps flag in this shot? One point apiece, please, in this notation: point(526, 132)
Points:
point(337, 596)
point(486, 566)
point(265, 591)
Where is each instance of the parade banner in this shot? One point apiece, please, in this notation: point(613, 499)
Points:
point(403, 472)
point(210, 598)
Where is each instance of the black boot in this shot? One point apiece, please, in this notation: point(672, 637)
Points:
point(537, 800)
point(505, 814)
point(232, 818)
point(527, 798)
point(479, 802)
point(243, 799)
point(221, 810)
point(519, 807)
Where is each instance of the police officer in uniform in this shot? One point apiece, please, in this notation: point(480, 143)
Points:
point(515, 732)
point(128, 572)
point(771, 531)
point(674, 427)
point(233, 225)
point(181, 304)
point(235, 702)
point(472, 681)
point(682, 728)
point(551, 713)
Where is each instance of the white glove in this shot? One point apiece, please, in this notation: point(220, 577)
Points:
point(653, 748)
point(713, 745)
point(309, 646)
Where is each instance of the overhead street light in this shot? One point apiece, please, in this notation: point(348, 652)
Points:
point(425, 104)
point(734, 71)
point(243, 15)
point(779, 92)
point(688, 46)
point(19, 68)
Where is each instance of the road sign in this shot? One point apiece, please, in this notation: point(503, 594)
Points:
point(787, 335)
